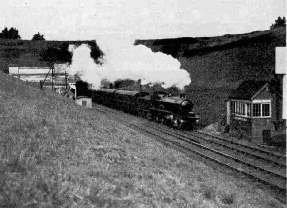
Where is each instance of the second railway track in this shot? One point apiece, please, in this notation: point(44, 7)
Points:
point(274, 157)
point(270, 161)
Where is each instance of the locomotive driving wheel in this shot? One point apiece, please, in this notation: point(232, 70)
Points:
point(150, 115)
point(181, 125)
point(178, 123)
point(160, 118)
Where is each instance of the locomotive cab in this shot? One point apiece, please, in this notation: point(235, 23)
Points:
point(158, 95)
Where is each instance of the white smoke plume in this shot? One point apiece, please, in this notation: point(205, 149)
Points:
point(123, 60)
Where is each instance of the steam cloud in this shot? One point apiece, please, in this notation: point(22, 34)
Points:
point(123, 60)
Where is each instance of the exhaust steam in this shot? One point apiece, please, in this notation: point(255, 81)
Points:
point(123, 60)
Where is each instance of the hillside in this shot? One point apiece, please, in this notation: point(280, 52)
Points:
point(224, 60)
point(27, 53)
point(54, 153)
point(219, 64)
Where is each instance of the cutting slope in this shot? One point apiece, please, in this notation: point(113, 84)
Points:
point(224, 60)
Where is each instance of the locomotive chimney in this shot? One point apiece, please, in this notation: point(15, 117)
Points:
point(182, 93)
point(140, 84)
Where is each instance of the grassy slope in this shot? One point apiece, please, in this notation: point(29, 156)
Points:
point(56, 154)
point(218, 64)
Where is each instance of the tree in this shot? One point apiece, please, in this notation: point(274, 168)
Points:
point(56, 54)
point(38, 36)
point(13, 33)
point(96, 52)
point(120, 83)
point(280, 22)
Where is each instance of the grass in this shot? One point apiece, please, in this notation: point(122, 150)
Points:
point(209, 103)
point(54, 153)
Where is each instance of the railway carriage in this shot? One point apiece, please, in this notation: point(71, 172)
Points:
point(103, 96)
point(127, 100)
point(144, 105)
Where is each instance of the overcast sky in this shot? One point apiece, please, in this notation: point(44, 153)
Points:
point(87, 19)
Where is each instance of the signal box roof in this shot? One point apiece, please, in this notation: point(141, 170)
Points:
point(247, 90)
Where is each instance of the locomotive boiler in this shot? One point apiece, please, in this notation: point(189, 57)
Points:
point(175, 111)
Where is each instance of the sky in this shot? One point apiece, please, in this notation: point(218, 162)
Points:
point(138, 19)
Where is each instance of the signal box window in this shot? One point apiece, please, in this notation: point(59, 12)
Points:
point(232, 107)
point(248, 109)
point(256, 110)
point(262, 110)
point(241, 109)
point(265, 110)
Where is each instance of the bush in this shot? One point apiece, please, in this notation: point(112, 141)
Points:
point(37, 37)
point(13, 33)
point(280, 22)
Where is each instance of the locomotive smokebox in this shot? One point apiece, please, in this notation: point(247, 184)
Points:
point(182, 93)
point(186, 106)
point(140, 84)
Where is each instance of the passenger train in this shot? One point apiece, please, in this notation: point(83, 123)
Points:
point(174, 111)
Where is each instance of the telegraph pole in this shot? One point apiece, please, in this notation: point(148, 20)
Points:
point(66, 79)
point(281, 68)
point(52, 78)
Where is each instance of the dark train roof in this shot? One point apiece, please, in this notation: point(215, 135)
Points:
point(146, 97)
point(124, 92)
point(247, 89)
point(107, 90)
point(173, 99)
point(131, 93)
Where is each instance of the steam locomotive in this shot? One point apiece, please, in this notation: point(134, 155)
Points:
point(174, 111)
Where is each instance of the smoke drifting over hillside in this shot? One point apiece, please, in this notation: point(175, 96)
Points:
point(123, 60)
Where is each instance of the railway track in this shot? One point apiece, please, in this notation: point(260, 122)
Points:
point(271, 161)
point(275, 157)
point(261, 165)
point(236, 161)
